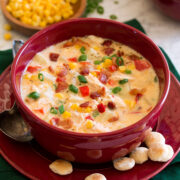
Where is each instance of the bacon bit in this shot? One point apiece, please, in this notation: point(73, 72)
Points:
point(101, 108)
point(74, 59)
point(84, 105)
point(113, 119)
point(51, 69)
point(60, 79)
point(111, 82)
point(41, 110)
point(111, 105)
point(138, 96)
point(137, 91)
point(113, 68)
point(102, 91)
point(63, 72)
point(142, 64)
point(107, 43)
point(120, 53)
point(66, 124)
point(133, 57)
point(89, 117)
point(149, 109)
point(95, 95)
point(84, 70)
point(33, 69)
point(103, 77)
point(108, 51)
point(61, 86)
point(54, 121)
point(53, 56)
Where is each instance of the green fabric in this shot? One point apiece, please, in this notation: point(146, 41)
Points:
point(170, 172)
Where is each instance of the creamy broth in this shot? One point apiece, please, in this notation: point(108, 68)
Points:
point(90, 85)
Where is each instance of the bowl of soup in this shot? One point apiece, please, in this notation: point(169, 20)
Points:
point(90, 88)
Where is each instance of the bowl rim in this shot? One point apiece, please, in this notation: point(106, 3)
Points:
point(153, 112)
point(17, 22)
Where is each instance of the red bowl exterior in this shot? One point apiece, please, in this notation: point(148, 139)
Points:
point(169, 7)
point(81, 147)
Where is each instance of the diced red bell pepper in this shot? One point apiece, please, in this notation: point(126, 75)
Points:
point(41, 110)
point(54, 121)
point(142, 65)
point(113, 68)
point(85, 63)
point(60, 79)
point(61, 86)
point(74, 59)
point(53, 56)
point(89, 117)
point(111, 82)
point(84, 90)
point(101, 108)
point(33, 69)
point(138, 96)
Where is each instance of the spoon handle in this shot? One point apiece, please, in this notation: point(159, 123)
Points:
point(17, 44)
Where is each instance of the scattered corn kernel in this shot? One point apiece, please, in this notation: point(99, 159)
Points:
point(66, 115)
point(77, 46)
point(27, 76)
point(40, 12)
point(7, 36)
point(72, 65)
point(58, 95)
point(34, 77)
point(130, 66)
point(130, 103)
point(89, 124)
point(107, 63)
point(96, 48)
point(99, 67)
point(122, 68)
point(94, 73)
point(7, 27)
point(74, 107)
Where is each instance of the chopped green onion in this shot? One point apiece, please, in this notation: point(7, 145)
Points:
point(41, 77)
point(73, 88)
point(116, 2)
point(83, 57)
point(34, 95)
point(53, 110)
point(82, 79)
point(120, 61)
point(82, 50)
point(116, 90)
point(61, 109)
point(100, 9)
point(55, 86)
point(106, 57)
point(127, 71)
point(113, 17)
point(97, 62)
point(123, 81)
point(155, 79)
point(95, 113)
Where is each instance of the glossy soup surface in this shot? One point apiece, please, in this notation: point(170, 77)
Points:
point(90, 84)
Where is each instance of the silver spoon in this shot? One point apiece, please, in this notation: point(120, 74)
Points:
point(11, 122)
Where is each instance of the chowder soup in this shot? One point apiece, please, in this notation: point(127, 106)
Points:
point(90, 85)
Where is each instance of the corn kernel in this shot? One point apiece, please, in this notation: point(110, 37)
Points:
point(130, 66)
point(122, 68)
point(130, 103)
point(66, 114)
point(94, 73)
point(87, 110)
point(27, 76)
point(96, 48)
point(77, 46)
point(107, 63)
point(74, 107)
point(72, 65)
point(58, 95)
point(7, 36)
point(7, 27)
point(99, 67)
point(89, 124)
point(34, 77)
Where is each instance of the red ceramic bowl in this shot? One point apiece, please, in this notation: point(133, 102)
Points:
point(82, 147)
point(169, 7)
